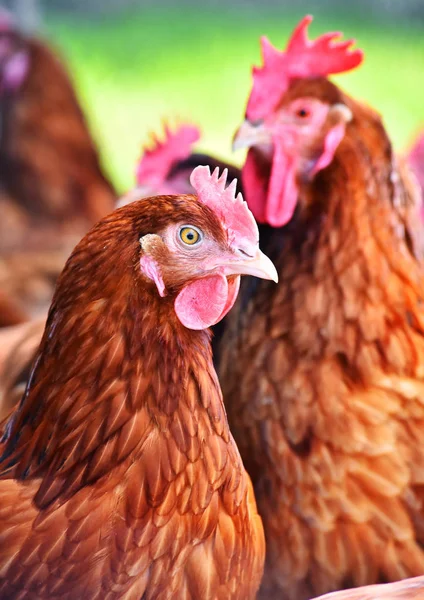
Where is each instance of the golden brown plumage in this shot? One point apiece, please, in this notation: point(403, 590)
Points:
point(323, 374)
point(119, 475)
point(52, 188)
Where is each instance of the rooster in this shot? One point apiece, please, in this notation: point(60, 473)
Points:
point(322, 375)
point(52, 188)
point(119, 477)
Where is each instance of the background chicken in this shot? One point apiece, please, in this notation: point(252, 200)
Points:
point(166, 164)
point(119, 475)
point(322, 375)
point(52, 188)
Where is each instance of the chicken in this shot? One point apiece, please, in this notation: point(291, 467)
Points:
point(408, 589)
point(166, 165)
point(52, 188)
point(322, 375)
point(119, 477)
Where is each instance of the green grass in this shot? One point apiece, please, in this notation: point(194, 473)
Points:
point(194, 63)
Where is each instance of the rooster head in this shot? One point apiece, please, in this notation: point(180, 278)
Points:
point(295, 120)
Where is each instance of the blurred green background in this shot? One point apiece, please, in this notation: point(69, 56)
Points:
point(135, 63)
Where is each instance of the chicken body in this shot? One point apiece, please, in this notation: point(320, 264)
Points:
point(120, 477)
point(323, 374)
point(52, 188)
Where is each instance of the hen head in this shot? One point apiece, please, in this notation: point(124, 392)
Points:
point(181, 253)
point(295, 120)
point(159, 168)
point(155, 169)
point(200, 254)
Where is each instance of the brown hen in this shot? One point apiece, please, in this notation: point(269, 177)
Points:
point(52, 188)
point(323, 375)
point(119, 475)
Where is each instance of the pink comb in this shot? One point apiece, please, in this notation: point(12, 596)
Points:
point(232, 209)
point(302, 58)
point(157, 161)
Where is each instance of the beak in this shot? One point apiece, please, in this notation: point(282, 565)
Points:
point(249, 135)
point(258, 266)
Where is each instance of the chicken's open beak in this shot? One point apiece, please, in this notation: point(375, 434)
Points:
point(258, 266)
point(249, 134)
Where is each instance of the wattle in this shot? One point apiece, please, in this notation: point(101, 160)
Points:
point(206, 301)
point(271, 197)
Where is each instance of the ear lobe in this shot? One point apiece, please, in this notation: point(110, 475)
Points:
point(331, 143)
point(151, 269)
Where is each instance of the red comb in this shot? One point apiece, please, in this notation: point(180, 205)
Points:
point(157, 161)
point(302, 58)
point(232, 209)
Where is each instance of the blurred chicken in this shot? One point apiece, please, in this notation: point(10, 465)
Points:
point(52, 188)
point(166, 164)
point(408, 589)
point(119, 476)
point(323, 375)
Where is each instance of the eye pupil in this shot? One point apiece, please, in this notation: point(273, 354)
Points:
point(302, 112)
point(189, 235)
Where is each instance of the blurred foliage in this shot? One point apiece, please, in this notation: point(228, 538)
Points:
point(138, 66)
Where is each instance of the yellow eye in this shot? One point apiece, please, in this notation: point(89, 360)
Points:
point(189, 235)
